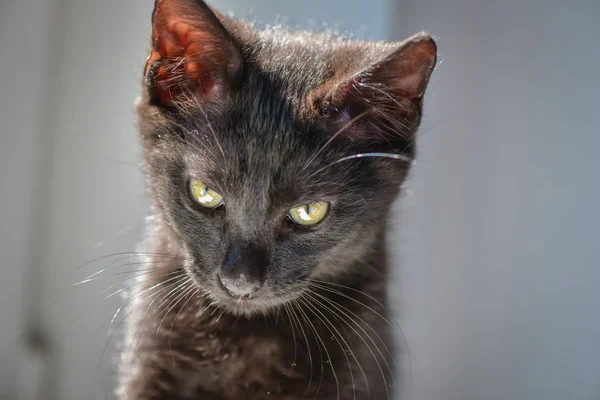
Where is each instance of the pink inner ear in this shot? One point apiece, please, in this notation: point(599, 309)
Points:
point(409, 71)
point(182, 56)
point(411, 83)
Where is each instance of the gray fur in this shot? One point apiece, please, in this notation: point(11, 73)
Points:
point(317, 328)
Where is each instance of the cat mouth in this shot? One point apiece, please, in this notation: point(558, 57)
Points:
point(243, 306)
point(261, 302)
point(265, 300)
point(240, 294)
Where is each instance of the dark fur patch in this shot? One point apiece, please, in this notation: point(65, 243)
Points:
point(297, 117)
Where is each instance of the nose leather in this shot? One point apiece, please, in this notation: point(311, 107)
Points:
point(243, 270)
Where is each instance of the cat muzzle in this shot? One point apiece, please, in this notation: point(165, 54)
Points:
point(243, 271)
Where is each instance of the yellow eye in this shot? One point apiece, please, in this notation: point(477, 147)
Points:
point(204, 195)
point(309, 214)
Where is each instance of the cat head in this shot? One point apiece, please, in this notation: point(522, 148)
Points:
point(272, 156)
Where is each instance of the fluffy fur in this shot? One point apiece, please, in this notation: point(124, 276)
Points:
point(269, 119)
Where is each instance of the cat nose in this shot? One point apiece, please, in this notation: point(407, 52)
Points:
point(243, 271)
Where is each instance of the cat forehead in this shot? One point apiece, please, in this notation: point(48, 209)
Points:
point(301, 55)
point(250, 162)
point(260, 158)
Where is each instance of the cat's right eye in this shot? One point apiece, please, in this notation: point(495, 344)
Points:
point(309, 214)
point(204, 195)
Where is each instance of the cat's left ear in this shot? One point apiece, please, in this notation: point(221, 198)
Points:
point(193, 55)
point(382, 103)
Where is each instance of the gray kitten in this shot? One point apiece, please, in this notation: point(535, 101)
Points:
point(272, 159)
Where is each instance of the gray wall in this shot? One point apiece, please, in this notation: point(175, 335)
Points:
point(500, 279)
point(23, 57)
point(496, 283)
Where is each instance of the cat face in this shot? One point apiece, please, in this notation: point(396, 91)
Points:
point(274, 157)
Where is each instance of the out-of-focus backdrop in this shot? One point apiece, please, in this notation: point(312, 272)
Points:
point(497, 273)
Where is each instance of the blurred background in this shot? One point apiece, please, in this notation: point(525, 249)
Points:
point(496, 269)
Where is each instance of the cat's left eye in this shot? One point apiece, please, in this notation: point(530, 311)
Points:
point(204, 195)
point(309, 214)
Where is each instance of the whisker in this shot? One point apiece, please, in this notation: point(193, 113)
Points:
point(332, 138)
point(329, 361)
point(140, 282)
point(191, 296)
point(396, 324)
point(113, 265)
point(148, 314)
point(219, 317)
point(310, 358)
point(323, 285)
point(121, 322)
point(394, 156)
point(128, 254)
point(213, 133)
point(87, 307)
point(315, 310)
point(369, 348)
point(183, 293)
point(285, 307)
point(176, 278)
point(339, 307)
point(197, 144)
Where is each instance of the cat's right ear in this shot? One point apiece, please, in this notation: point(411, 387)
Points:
point(192, 57)
point(382, 103)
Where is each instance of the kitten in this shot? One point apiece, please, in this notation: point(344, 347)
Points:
point(272, 159)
